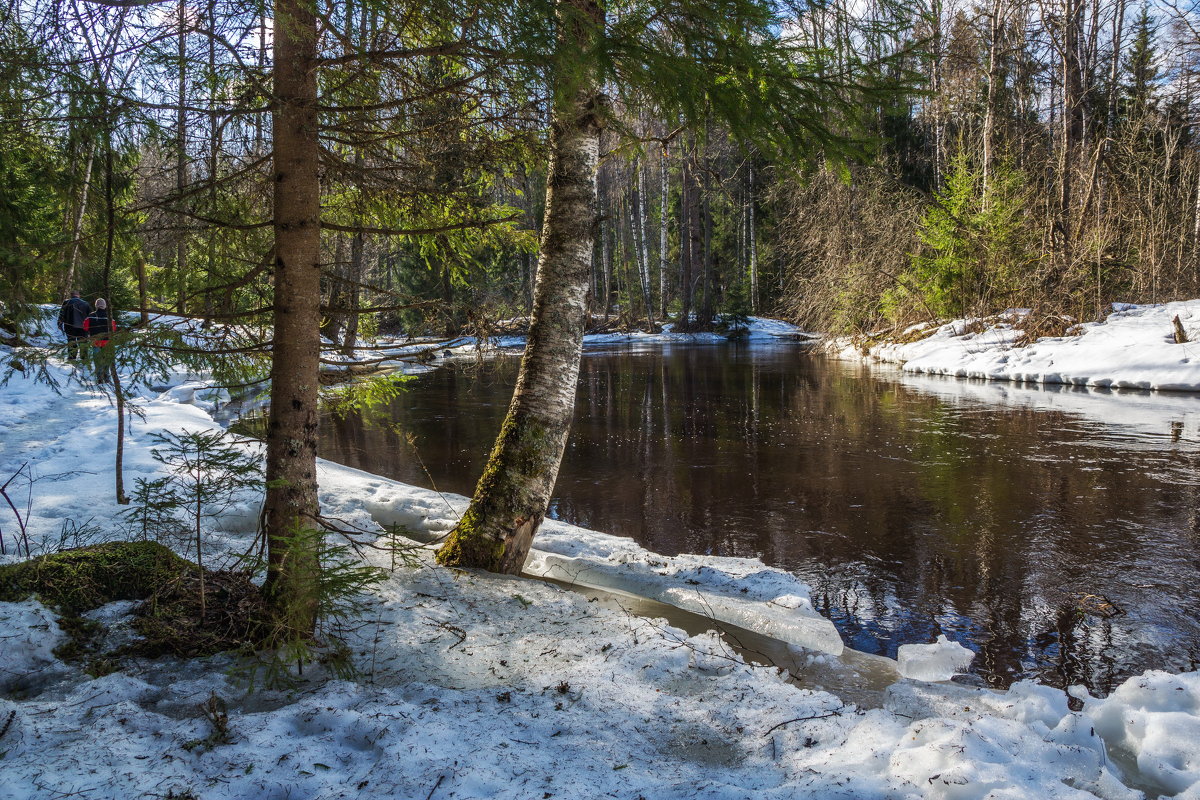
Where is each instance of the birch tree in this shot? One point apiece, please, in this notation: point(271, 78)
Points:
point(727, 62)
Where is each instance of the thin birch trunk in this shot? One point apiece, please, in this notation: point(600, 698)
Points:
point(993, 77)
point(642, 253)
point(663, 266)
point(752, 244)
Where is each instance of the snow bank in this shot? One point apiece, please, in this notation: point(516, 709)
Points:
point(1133, 348)
point(480, 686)
point(1155, 719)
point(1133, 415)
point(739, 591)
point(399, 352)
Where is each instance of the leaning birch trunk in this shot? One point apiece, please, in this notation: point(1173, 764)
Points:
point(291, 507)
point(511, 498)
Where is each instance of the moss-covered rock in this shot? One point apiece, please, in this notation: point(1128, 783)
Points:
point(173, 619)
point(88, 577)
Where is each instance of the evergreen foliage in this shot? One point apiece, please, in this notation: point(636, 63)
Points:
point(974, 246)
point(207, 473)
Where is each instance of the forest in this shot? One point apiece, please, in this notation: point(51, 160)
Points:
point(1006, 154)
point(572, 258)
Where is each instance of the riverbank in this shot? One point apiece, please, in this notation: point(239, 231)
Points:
point(420, 354)
point(1134, 347)
point(474, 685)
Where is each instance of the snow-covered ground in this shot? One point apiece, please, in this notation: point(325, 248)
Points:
point(479, 686)
point(1133, 348)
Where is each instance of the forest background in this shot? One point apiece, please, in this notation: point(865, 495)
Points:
point(1043, 156)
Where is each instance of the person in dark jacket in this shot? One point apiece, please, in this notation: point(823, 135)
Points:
point(71, 319)
point(98, 327)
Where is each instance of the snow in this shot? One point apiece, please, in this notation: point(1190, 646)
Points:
point(1133, 348)
point(27, 642)
point(479, 686)
point(1154, 718)
point(939, 661)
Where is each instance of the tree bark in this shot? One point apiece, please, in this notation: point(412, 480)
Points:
point(511, 498)
point(996, 30)
point(1072, 123)
point(333, 323)
point(291, 507)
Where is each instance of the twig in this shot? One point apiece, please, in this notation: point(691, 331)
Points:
point(835, 713)
point(454, 629)
point(24, 534)
point(435, 786)
point(8, 723)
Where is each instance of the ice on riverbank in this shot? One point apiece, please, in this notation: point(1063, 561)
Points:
point(1133, 348)
point(939, 661)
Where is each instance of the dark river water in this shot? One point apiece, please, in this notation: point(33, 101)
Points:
point(1054, 531)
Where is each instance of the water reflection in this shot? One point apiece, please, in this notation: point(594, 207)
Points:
point(1055, 531)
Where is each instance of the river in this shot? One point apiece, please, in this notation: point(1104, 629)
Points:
point(1052, 530)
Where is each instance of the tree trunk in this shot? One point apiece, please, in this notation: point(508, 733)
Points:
point(996, 29)
point(139, 265)
point(181, 166)
point(290, 507)
point(451, 327)
point(512, 495)
point(605, 245)
point(355, 275)
point(77, 226)
point(707, 300)
point(752, 245)
point(639, 234)
point(332, 323)
point(662, 233)
point(110, 215)
point(119, 393)
point(1072, 125)
point(688, 241)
